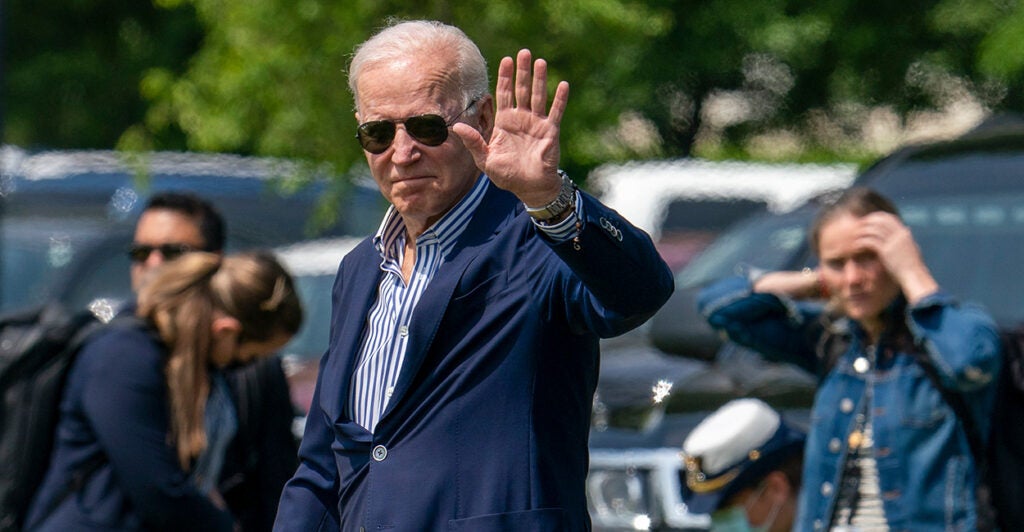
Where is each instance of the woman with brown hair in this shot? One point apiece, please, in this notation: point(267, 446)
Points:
point(886, 450)
point(147, 415)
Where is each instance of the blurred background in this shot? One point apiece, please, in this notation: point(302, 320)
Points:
point(750, 79)
point(715, 126)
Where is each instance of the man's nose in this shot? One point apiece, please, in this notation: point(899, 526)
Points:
point(404, 147)
point(154, 259)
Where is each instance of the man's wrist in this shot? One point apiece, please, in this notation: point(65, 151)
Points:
point(559, 208)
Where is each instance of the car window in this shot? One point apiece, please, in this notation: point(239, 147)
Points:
point(767, 242)
point(36, 253)
point(315, 293)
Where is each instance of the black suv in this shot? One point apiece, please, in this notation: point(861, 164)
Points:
point(964, 201)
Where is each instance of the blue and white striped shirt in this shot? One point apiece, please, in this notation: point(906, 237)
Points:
point(382, 347)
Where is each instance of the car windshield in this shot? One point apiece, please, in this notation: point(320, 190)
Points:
point(764, 241)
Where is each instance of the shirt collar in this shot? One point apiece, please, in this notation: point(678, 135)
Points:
point(445, 231)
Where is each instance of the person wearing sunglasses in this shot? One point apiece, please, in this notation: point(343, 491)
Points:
point(147, 415)
point(171, 224)
point(262, 456)
point(456, 390)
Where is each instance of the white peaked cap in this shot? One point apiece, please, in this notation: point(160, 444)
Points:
point(726, 437)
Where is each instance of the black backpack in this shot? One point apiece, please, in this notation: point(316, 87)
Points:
point(1000, 461)
point(37, 347)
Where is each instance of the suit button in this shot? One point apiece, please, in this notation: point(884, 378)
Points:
point(380, 453)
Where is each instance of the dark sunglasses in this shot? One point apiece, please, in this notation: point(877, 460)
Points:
point(141, 252)
point(430, 129)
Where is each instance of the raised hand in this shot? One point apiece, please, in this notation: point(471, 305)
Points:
point(894, 244)
point(523, 153)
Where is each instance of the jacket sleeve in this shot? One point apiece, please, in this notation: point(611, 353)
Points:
point(619, 278)
point(779, 329)
point(962, 341)
point(309, 502)
point(126, 403)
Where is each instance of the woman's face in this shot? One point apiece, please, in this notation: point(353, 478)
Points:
point(853, 273)
point(227, 350)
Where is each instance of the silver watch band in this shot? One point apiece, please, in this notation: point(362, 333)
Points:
point(563, 202)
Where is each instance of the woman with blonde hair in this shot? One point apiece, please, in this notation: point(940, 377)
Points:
point(147, 415)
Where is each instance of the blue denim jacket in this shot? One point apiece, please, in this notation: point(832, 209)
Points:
point(926, 473)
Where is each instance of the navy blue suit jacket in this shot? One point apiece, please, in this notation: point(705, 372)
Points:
point(488, 425)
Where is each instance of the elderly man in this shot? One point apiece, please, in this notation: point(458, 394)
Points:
point(456, 390)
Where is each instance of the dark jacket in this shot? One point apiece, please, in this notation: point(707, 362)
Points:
point(264, 453)
point(114, 414)
point(488, 425)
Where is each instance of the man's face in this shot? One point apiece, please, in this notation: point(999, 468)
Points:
point(422, 182)
point(159, 227)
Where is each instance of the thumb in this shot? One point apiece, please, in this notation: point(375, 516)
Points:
point(473, 141)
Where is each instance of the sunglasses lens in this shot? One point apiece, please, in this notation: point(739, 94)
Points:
point(139, 253)
point(173, 251)
point(375, 137)
point(428, 129)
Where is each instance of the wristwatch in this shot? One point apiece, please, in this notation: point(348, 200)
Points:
point(565, 200)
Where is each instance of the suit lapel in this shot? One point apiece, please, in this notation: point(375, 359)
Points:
point(358, 292)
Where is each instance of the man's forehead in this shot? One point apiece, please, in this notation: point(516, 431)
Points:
point(166, 226)
point(390, 89)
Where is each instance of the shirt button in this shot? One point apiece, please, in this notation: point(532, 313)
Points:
point(846, 405)
point(380, 453)
point(389, 392)
point(403, 331)
point(835, 445)
point(826, 488)
point(861, 365)
point(818, 524)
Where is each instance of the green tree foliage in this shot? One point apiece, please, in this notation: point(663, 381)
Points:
point(72, 67)
point(796, 79)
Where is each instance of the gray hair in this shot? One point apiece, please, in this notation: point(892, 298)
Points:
point(399, 40)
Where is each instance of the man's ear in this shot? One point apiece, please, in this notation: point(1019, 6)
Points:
point(485, 116)
point(226, 325)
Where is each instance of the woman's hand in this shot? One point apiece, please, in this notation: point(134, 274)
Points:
point(804, 284)
point(895, 246)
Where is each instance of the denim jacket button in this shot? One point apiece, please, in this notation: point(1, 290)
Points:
point(846, 405)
